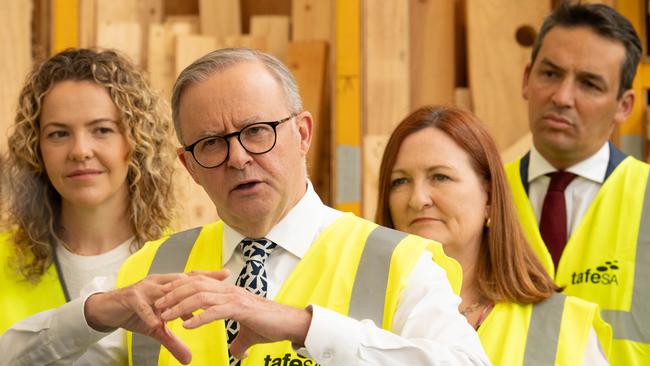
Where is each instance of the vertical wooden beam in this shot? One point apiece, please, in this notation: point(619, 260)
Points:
point(276, 30)
point(15, 63)
point(65, 25)
point(347, 107)
point(432, 48)
point(308, 61)
point(500, 34)
point(220, 19)
point(386, 86)
point(87, 21)
point(630, 133)
point(312, 20)
point(262, 7)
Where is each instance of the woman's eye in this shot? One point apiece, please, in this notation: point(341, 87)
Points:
point(440, 177)
point(104, 130)
point(57, 134)
point(398, 182)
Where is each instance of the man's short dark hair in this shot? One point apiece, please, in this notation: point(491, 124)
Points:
point(604, 21)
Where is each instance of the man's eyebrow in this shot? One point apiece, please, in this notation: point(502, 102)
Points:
point(547, 62)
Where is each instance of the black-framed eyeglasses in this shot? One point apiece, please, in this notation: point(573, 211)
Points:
point(256, 138)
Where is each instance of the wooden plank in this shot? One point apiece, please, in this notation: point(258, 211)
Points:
point(194, 204)
point(116, 10)
point(149, 12)
point(312, 20)
point(245, 40)
point(123, 36)
point(250, 8)
point(181, 7)
point(496, 66)
point(162, 46)
point(386, 85)
point(15, 63)
point(115, 21)
point(87, 21)
point(433, 56)
point(307, 60)
point(346, 165)
point(190, 47)
point(462, 98)
point(41, 28)
point(65, 25)
point(220, 19)
point(276, 30)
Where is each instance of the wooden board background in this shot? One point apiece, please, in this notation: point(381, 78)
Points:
point(496, 63)
point(432, 52)
point(15, 59)
point(385, 90)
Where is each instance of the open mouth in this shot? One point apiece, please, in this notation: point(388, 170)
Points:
point(247, 185)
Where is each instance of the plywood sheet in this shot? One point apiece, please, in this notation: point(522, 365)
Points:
point(15, 62)
point(114, 20)
point(181, 7)
point(149, 12)
point(276, 30)
point(386, 84)
point(307, 60)
point(497, 61)
point(312, 19)
point(433, 56)
point(245, 40)
point(195, 207)
point(87, 21)
point(162, 47)
point(116, 10)
point(257, 7)
point(220, 19)
point(123, 36)
point(190, 47)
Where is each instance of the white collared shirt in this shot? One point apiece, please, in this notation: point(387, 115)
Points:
point(579, 193)
point(428, 327)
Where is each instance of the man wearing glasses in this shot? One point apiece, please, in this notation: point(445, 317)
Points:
point(281, 279)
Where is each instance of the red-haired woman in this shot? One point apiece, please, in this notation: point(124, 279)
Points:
point(441, 178)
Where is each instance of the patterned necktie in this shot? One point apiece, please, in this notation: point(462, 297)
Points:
point(252, 278)
point(553, 223)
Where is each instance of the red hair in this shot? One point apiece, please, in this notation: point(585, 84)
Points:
point(507, 268)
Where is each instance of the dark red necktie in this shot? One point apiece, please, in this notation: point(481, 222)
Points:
point(553, 223)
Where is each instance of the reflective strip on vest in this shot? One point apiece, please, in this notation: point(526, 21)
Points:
point(544, 331)
point(175, 253)
point(371, 281)
point(634, 325)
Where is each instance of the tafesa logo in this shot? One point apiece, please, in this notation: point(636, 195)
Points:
point(603, 275)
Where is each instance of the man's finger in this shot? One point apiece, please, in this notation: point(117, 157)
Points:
point(241, 343)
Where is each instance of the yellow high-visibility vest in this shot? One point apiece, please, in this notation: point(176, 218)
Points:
point(553, 332)
point(607, 258)
point(354, 267)
point(20, 298)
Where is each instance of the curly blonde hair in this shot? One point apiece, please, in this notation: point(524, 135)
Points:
point(33, 203)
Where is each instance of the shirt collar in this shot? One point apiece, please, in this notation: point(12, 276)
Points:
point(294, 232)
point(593, 168)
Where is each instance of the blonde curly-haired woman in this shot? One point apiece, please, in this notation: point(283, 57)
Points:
point(88, 180)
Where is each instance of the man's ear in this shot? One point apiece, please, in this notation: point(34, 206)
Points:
point(625, 106)
point(305, 124)
point(524, 84)
point(183, 156)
